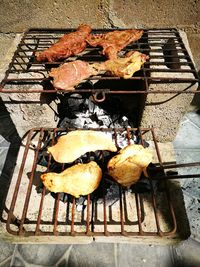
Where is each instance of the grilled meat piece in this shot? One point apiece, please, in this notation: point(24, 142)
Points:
point(70, 44)
point(71, 74)
point(80, 179)
point(113, 42)
point(124, 67)
point(68, 75)
point(127, 167)
point(76, 143)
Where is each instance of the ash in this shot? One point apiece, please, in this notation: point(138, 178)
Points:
point(79, 112)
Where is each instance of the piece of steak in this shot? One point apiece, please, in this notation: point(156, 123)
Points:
point(70, 44)
point(115, 41)
point(70, 74)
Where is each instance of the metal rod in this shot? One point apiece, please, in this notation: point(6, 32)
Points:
point(43, 195)
point(28, 194)
point(92, 91)
point(15, 194)
point(121, 211)
point(138, 209)
point(88, 216)
point(73, 213)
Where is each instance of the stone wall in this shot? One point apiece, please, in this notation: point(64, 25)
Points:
point(18, 15)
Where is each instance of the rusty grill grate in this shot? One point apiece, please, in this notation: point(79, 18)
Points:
point(169, 62)
point(129, 213)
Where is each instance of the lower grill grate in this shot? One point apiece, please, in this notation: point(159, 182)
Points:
point(109, 211)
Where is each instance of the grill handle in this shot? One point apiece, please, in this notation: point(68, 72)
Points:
point(99, 97)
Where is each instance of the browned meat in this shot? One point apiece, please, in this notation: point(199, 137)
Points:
point(69, 45)
point(71, 74)
point(124, 67)
point(113, 42)
point(76, 143)
point(80, 179)
point(127, 166)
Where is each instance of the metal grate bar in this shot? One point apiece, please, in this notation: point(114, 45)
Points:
point(25, 70)
point(25, 209)
point(90, 221)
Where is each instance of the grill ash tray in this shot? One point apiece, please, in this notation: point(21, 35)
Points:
point(169, 62)
point(148, 208)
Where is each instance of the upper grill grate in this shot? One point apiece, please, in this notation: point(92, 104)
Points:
point(169, 62)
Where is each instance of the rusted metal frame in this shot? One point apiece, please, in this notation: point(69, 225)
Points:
point(15, 194)
point(27, 45)
point(114, 233)
point(161, 79)
point(57, 200)
point(56, 211)
point(132, 45)
point(137, 196)
point(160, 50)
point(157, 63)
point(12, 62)
point(106, 233)
point(170, 56)
point(155, 38)
point(28, 193)
point(176, 166)
point(123, 232)
point(148, 69)
point(152, 189)
point(159, 42)
point(171, 70)
point(137, 199)
point(102, 90)
point(28, 71)
point(120, 194)
point(19, 63)
point(151, 49)
point(88, 231)
point(97, 49)
point(68, 60)
point(95, 234)
point(48, 31)
point(173, 231)
point(124, 200)
point(187, 54)
point(3, 82)
point(37, 230)
point(87, 49)
point(73, 216)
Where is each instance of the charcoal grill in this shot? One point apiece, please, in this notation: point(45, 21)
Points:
point(167, 55)
point(164, 47)
point(126, 223)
